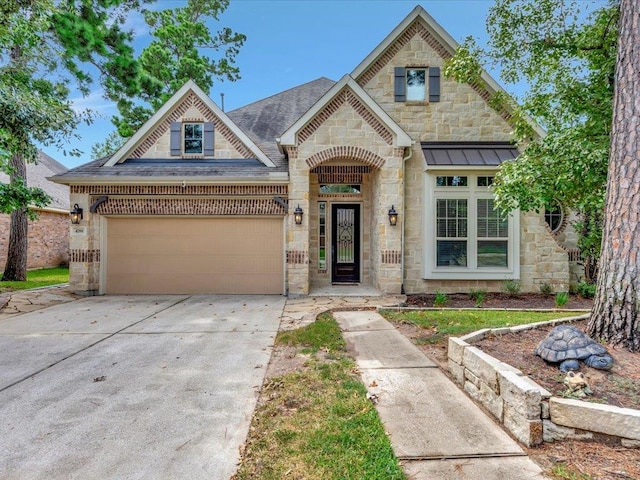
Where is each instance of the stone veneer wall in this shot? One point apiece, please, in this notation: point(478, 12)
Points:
point(48, 240)
point(526, 409)
point(462, 114)
point(346, 133)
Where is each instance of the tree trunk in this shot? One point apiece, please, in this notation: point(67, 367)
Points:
point(614, 318)
point(16, 266)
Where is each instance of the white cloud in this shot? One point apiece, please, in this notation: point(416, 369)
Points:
point(95, 102)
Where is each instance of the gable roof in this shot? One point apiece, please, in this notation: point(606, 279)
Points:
point(190, 87)
point(445, 44)
point(266, 119)
point(37, 176)
point(400, 137)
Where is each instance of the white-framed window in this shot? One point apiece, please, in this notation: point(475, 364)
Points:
point(416, 79)
point(466, 237)
point(192, 135)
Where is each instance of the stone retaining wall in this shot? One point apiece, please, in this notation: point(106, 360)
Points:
point(525, 408)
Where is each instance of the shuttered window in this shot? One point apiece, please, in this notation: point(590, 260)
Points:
point(416, 84)
point(191, 138)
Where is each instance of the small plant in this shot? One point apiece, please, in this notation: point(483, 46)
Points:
point(546, 289)
point(478, 296)
point(561, 299)
point(440, 300)
point(511, 288)
point(586, 289)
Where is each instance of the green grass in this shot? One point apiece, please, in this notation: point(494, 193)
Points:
point(316, 422)
point(38, 278)
point(562, 471)
point(446, 323)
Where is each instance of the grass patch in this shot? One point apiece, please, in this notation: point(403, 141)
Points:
point(446, 323)
point(564, 472)
point(38, 278)
point(316, 422)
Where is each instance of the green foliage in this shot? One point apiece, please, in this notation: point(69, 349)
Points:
point(546, 289)
point(324, 333)
point(15, 195)
point(561, 299)
point(586, 289)
point(590, 242)
point(460, 322)
point(38, 279)
point(111, 144)
point(440, 300)
point(180, 50)
point(478, 296)
point(567, 57)
point(511, 288)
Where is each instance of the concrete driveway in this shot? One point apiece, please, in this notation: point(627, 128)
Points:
point(132, 387)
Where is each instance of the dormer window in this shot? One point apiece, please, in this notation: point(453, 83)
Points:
point(417, 84)
point(192, 134)
point(192, 138)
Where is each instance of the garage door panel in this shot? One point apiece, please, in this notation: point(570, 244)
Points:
point(194, 255)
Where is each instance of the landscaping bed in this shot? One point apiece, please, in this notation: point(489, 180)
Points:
point(569, 459)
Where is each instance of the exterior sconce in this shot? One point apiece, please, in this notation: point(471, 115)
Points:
point(393, 216)
point(76, 214)
point(297, 215)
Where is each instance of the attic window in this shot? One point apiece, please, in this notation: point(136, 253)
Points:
point(193, 138)
point(416, 79)
point(417, 84)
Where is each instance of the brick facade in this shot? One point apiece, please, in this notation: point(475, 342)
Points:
point(48, 242)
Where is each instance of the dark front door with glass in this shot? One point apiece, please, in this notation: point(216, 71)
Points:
point(345, 243)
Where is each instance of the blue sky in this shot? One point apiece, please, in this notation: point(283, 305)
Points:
point(290, 42)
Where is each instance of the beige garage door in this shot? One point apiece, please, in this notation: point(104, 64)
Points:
point(194, 255)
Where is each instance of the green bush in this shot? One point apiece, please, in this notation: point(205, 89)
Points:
point(478, 296)
point(546, 289)
point(440, 300)
point(511, 288)
point(561, 299)
point(586, 289)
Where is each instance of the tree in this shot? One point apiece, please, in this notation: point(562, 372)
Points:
point(44, 44)
point(614, 317)
point(181, 50)
point(567, 58)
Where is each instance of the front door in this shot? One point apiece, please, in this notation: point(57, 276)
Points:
point(345, 243)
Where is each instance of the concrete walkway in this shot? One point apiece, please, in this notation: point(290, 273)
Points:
point(436, 431)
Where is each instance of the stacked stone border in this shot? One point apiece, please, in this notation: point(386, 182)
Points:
point(525, 408)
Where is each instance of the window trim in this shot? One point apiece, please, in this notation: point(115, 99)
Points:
point(184, 138)
point(472, 192)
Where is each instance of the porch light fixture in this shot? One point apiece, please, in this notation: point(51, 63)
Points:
point(393, 216)
point(76, 214)
point(297, 215)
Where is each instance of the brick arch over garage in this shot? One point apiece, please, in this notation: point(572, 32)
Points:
point(346, 153)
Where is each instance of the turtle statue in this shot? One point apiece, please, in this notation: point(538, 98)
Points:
point(567, 345)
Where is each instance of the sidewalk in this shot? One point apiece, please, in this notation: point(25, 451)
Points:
point(436, 431)
point(23, 301)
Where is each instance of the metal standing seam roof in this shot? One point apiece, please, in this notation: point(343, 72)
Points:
point(476, 154)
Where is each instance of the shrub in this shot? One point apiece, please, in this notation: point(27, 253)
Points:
point(561, 299)
point(546, 289)
point(478, 296)
point(440, 300)
point(586, 289)
point(511, 288)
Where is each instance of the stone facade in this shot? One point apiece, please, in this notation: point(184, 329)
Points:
point(48, 241)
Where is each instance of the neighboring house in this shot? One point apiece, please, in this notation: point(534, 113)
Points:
point(202, 201)
point(48, 242)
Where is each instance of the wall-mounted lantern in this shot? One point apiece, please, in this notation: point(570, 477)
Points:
point(393, 216)
point(76, 214)
point(297, 215)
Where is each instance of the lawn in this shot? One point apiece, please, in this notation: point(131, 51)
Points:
point(446, 323)
point(316, 422)
point(38, 278)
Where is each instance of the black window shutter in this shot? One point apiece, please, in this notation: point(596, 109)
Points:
point(434, 84)
point(175, 138)
point(400, 84)
point(208, 139)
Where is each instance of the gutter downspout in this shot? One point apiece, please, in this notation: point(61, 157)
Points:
point(404, 216)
